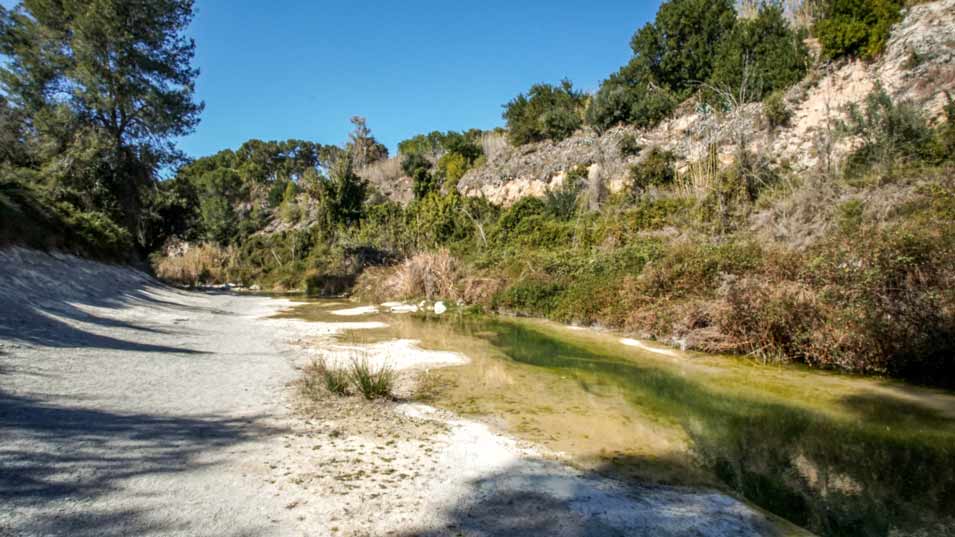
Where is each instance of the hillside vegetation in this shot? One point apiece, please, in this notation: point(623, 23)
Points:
point(586, 209)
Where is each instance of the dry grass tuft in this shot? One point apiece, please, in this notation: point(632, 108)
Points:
point(494, 144)
point(383, 171)
point(188, 264)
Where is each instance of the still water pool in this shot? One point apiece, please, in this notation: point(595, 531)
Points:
point(835, 454)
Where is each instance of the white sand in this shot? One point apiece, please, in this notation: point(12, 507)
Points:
point(398, 355)
point(354, 312)
point(642, 346)
point(138, 409)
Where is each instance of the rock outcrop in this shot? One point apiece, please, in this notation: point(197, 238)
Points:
point(918, 65)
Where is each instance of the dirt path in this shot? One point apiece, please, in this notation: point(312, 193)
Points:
point(129, 408)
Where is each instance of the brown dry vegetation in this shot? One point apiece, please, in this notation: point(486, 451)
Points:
point(198, 264)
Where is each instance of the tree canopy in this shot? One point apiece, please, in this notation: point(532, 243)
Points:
point(101, 89)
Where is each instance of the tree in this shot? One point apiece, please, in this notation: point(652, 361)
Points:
point(856, 27)
point(343, 196)
point(763, 48)
point(418, 168)
point(118, 71)
point(547, 112)
point(679, 47)
point(671, 57)
point(364, 148)
point(219, 190)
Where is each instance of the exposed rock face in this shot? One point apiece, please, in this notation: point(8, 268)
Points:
point(918, 65)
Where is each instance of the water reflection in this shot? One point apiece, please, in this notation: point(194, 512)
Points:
point(838, 455)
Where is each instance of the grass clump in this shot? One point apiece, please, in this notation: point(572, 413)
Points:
point(320, 379)
point(373, 383)
point(359, 377)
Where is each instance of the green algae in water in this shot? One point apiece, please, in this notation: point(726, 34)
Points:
point(838, 455)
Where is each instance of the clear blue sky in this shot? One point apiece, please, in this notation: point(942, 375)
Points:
point(300, 69)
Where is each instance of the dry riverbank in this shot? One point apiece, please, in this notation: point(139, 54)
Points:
point(130, 408)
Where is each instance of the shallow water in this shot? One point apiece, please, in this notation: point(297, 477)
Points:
point(836, 454)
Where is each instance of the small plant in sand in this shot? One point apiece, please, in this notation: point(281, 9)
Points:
point(371, 382)
point(321, 379)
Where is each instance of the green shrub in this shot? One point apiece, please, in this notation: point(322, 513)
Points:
point(546, 113)
point(630, 97)
point(30, 217)
point(656, 169)
point(629, 146)
point(418, 168)
point(763, 53)
point(943, 145)
point(891, 133)
point(372, 383)
point(562, 202)
point(775, 111)
point(320, 379)
point(511, 217)
point(529, 296)
point(694, 269)
point(856, 27)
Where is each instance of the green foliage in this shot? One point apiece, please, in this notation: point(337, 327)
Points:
point(546, 113)
point(775, 111)
point(679, 48)
point(439, 159)
point(290, 210)
point(320, 379)
point(373, 383)
point(629, 146)
point(856, 27)
point(658, 168)
point(105, 88)
point(343, 195)
point(418, 168)
point(694, 268)
point(943, 144)
point(452, 166)
point(218, 190)
point(891, 133)
point(533, 297)
point(562, 202)
point(762, 52)
point(512, 218)
point(439, 219)
point(630, 96)
point(29, 217)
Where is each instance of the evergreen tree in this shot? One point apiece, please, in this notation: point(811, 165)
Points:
point(107, 83)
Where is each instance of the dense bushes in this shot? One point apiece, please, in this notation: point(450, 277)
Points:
point(30, 217)
point(763, 53)
point(656, 169)
point(547, 112)
point(696, 43)
point(891, 134)
point(856, 27)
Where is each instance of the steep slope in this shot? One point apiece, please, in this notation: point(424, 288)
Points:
point(917, 65)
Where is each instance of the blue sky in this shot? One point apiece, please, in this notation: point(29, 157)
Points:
point(300, 69)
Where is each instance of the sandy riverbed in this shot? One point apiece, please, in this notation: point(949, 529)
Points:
point(130, 408)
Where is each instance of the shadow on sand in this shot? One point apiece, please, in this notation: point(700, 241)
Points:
point(51, 453)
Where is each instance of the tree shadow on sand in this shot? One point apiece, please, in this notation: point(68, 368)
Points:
point(536, 498)
point(52, 453)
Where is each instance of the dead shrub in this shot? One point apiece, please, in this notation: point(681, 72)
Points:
point(195, 264)
point(772, 320)
point(428, 274)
